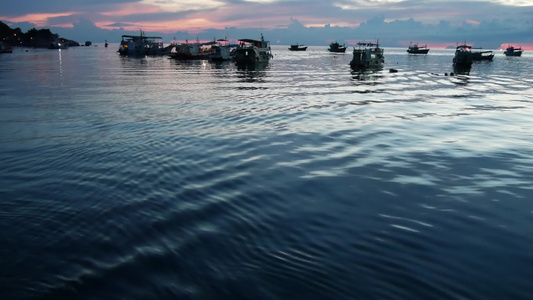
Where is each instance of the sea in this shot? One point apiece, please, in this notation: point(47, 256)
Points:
point(300, 178)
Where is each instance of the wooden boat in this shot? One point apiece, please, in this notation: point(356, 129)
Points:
point(463, 55)
point(297, 47)
point(251, 51)
point(367, 55)
point(337, 48)
point(512, 51)
point(482, 55)
point(415, 49)
point(142, 45)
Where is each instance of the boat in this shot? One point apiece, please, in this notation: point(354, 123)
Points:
point(5, 48)
point(192, 51)
point(463, 55)
point(58, 44)
point(415, 49)
point(142, 45)
point(482, 55)
point(297, 47)
point(367, 55)
point(337, 48)
point(251, 51)
point(512, 51)
point(221, 50)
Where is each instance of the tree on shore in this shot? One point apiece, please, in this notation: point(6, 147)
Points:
point(41, 38)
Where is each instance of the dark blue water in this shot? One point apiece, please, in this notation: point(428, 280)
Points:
point(149, 178)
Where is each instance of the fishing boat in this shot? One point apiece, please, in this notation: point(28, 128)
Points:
point(142, 45)
point(221, 50)
point(297, 47)
point(337, 48)
point(251, 51)
point(463, 55)
point(512, 51)
point(482, 55)
point(415, 49)
point(192, 51)
point(367, 55)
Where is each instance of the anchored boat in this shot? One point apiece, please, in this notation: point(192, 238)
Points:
point(512, 51)
point(337, 48)
point(251, 51)
point(415, 49)
point(297, 47)
point(142, 45)
point(367, 55)
point(463, 55)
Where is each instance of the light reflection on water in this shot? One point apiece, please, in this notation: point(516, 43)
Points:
point(298, 178)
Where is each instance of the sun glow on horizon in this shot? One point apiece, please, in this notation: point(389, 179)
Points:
point(40, 20)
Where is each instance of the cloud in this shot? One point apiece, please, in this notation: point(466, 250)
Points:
point(348, 19)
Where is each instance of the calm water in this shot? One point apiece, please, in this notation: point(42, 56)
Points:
point(148, 178)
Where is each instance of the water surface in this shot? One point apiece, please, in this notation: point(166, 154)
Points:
point(151, 178)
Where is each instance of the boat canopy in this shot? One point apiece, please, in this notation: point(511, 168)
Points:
point(249, 41)
point(463, 47)
point(364, 44)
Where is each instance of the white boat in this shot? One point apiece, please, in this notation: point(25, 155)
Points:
point(192, 51)
point(142, 45)
point(251, 51)
point(221, 50)
point(367, 55)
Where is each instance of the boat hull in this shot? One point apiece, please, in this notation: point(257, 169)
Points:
point(298, 48)
point(419, 51)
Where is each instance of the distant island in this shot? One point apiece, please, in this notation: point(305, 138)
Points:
point(34, 38)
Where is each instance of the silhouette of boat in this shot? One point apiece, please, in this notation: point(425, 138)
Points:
point(512, 51)
point(367, 55)
point(142, 45)
point(463, 55)
point(337, 48)
point(297, 47)
point(251, 51)
point(482, 55)
point(415, 49)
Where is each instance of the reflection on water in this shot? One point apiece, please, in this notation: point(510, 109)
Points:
point(251, 72)
point(366, 74)
point(461, 69)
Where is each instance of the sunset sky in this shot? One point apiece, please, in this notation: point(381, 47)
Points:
point(170, 16)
